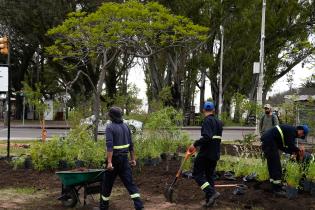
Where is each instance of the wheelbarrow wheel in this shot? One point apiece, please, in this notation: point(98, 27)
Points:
point(69, 199)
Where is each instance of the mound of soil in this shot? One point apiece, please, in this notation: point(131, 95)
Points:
point(152, 181)
point(188, 194)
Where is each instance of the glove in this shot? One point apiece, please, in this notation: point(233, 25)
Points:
point(293, 157)
point(301, 153)
point(192, 149)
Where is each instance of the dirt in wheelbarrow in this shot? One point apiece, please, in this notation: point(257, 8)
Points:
point(29, 189)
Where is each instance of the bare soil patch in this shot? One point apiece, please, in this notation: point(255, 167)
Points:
point(151, 180)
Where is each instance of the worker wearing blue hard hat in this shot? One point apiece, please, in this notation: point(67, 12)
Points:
point(305, 129)
point(281, 137)
point(208, 106)
point(209, 153)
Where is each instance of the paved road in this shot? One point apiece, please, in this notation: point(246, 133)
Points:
point(35, 133)
point(30, 133)
point(227, 134)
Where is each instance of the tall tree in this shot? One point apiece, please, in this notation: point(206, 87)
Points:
point(133, 28)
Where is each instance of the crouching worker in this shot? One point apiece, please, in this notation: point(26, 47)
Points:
point(119, 144)
point(281, 137)
point(209, 153)
point(305, 158)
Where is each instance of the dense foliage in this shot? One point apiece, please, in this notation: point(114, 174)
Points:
point(169, 42)
point(78, 145)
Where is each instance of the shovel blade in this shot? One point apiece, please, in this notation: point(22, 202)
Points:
point(168, 193)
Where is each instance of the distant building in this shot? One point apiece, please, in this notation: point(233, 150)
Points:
point(300, 98)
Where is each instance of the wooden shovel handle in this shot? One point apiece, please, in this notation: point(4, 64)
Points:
point(226, 185)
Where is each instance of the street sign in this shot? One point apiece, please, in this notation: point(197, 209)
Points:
point(256, 68)
point(4, 77)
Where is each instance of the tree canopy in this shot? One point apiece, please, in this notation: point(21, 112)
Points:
point(93, 41)
point(92, 45)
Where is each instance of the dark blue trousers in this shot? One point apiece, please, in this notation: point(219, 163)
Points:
point(271, 152)
point(123, 170)
point(203, 174)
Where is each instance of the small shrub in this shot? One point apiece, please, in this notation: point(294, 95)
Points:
point(188, 165)
point(261, 170)
point(226, 163)
point(47, 155)
point(310, 174)
point(293, 174)
point(152, 144)
point(242, 167)
point(167, 119)
point(78, 145)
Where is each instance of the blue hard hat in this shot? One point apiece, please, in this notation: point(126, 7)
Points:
point(305, 129)
point(208, 106)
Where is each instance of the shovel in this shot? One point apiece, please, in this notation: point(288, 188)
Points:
point(170, 189)
point(168, 193)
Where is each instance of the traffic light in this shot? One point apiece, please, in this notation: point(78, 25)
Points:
point(4, 46)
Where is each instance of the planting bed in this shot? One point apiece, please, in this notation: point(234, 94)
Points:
point(151, 180)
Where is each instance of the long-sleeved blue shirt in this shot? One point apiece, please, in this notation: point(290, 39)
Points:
point(118, 138)
point(209, 143)
point(288, 145)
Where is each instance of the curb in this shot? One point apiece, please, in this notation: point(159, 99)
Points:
point(224, 128)
point(68, 127)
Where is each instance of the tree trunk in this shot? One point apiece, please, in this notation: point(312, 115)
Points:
point(111, 80)
point(97, 94)
point(202, 90)
point(237, 114)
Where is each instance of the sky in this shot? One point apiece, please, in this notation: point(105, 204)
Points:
point(136, 76)
point(299, 77)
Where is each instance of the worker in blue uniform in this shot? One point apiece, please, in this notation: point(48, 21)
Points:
point(209, 153)
point(119, 144)
point(280, 137)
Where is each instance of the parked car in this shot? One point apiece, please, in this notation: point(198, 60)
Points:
point(134, 125)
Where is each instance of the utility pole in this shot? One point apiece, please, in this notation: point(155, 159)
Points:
point(5, 50)
point(221, 70)
point(9, 102)
point(261, 61)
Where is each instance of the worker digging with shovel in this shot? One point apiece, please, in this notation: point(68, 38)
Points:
point(209, 153)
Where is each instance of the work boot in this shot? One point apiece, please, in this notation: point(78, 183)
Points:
point(212, 199)
point(279, 190)
point(280, 193)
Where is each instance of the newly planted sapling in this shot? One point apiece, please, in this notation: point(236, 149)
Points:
point(293, 174)
point(261, 170)
point(310, 174)
point(226, 163)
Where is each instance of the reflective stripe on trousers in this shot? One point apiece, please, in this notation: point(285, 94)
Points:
point(136, 195)
point(105, 198)
point(206, 184)
point(275, 181)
